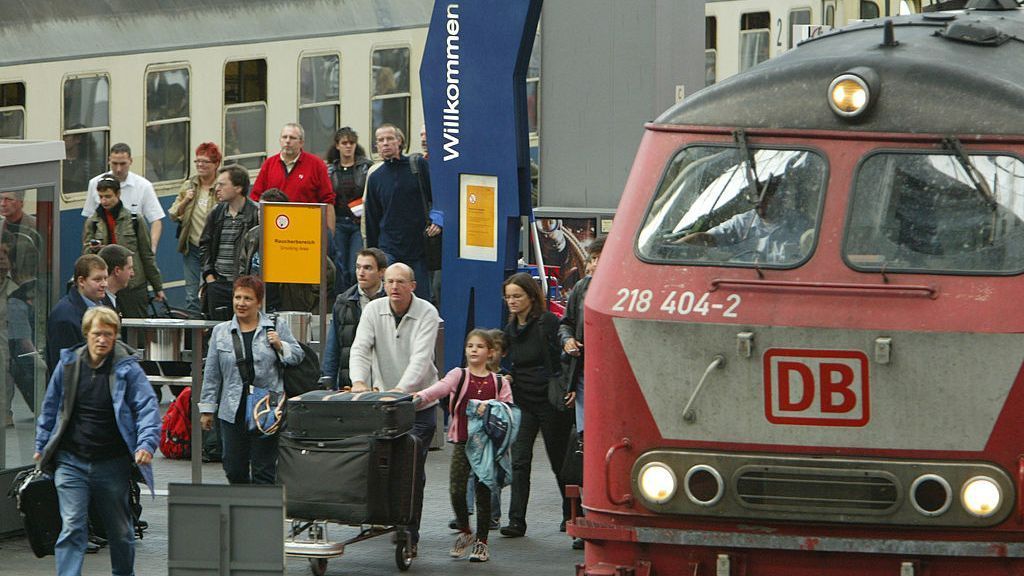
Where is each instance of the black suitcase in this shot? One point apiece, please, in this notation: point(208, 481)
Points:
point(358, 480)
point(328, 414)
point(36, 497)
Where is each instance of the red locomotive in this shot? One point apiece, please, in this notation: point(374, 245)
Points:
point(805, 341)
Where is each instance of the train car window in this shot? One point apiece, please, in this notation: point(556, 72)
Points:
point(868, 10)
point(755, 37)
point(391, 100)
point(710, 49)
point(86, 130)
point(167, 124)
point(922, 213)
point(708, 210)
point(533, 88)
point(245, 113)
point(830, 15)
point(12, 110)
point(319, 100)
point(800, 17)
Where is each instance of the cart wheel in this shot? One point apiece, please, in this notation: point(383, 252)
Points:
point(403, 555)
point(318, 566)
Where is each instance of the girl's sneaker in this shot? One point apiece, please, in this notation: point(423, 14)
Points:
point(480, 552)
point(462, 542)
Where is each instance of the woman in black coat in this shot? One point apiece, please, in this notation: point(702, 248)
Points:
point(533, 355)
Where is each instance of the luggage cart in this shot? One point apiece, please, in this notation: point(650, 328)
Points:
point(363, 438)
point(309, 539)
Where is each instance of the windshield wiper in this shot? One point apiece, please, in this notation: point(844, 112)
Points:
point(977, 180)
point(740, 137)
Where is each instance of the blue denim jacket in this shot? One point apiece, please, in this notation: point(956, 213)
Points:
point(491, 464)
point(222, 383)
point(135, 406)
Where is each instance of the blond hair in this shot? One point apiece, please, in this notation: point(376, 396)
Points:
point(100, 315)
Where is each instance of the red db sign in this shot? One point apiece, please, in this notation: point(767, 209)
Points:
point(816, 387)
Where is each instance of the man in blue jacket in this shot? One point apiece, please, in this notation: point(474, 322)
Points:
point(99, 416)
point(64, 325)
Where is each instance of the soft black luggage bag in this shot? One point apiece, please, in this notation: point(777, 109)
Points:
point(36, 497)
point(328, 414)
point(358, 480)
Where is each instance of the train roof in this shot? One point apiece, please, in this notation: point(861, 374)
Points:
point(948, 73)
point(45, 31)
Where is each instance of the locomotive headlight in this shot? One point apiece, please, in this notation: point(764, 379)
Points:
point(657, 482)
point(853, 92)
point(849, 95)
point(981, 496)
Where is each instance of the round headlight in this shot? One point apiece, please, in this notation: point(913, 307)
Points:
point(849, 95)
point(657, 482)
point(981, 496)
point(704, 485)
point(931, 495)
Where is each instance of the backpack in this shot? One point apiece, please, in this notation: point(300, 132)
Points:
point(304, 376)
point(176, 430)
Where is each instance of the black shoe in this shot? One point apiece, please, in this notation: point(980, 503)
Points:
point(561, 527)
point(453, 524)
point(92, 548)
point(97, 540)
point(514, 530)
point(577, 543)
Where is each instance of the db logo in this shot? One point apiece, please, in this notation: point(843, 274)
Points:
point(816, 387)
point(282, 221)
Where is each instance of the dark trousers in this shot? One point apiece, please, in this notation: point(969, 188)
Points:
point(422, 428)
point(248, 458)
point(554, 426)
point(459, 473)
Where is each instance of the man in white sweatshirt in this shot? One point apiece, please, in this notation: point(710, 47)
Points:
point(394, 348)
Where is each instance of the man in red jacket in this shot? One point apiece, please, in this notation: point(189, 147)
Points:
point(301, 175)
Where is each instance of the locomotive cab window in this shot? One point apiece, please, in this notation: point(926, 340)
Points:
point(714, 206)
point(12, 110)
point(925, 213)
point(167, 124)
point(245, 113)
point(86, 130)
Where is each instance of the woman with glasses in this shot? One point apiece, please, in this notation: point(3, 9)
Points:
point(347, 165)
point(195, 200)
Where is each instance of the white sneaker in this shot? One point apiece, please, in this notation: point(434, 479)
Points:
point(462, 542)
point(480, 552)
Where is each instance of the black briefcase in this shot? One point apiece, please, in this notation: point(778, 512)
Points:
point(36, 497)
point(328, 414)
point(358, 480)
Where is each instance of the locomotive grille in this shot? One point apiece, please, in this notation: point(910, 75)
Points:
point(797, 489)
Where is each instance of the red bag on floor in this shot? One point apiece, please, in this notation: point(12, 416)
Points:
point(176, 430)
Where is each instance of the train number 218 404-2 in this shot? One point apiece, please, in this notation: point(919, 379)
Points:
point(675, 302)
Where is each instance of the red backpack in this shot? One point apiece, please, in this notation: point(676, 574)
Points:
point(176, 431)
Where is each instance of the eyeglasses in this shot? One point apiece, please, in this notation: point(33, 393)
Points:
point(201, 162)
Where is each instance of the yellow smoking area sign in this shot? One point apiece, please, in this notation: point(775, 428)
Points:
point(293, 243)
point(478, 217)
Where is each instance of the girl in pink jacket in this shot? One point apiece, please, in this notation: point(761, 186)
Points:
point(475, 382)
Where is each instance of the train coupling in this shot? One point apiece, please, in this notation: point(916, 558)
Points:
point(642, 568)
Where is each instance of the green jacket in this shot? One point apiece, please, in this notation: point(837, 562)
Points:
point(132, 233)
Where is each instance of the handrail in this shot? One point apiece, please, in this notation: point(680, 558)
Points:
point(626, 499)
point(1020, 489)
point(688, 414)
point(930, 291)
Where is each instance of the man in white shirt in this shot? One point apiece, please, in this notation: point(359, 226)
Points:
point(396, 335)
point(137, 193)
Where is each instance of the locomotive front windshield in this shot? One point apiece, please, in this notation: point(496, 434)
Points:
point(719, 205)
point(937, 213)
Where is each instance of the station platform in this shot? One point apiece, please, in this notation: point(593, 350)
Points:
point(543, 551)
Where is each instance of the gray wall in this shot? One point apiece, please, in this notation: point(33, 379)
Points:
point(607, 67)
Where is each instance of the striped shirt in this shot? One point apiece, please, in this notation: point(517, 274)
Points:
point(231, 232)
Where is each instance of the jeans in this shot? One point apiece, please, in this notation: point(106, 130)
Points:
point(555, 426)
point(248, 458)
point(348, 241)
point(192, 279)
point(106, 483)
point(423, 428)
point(579, 406)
